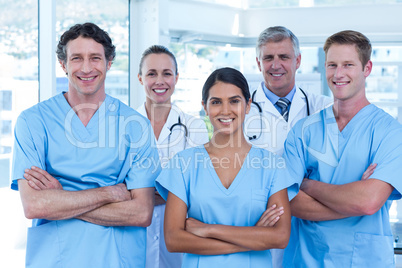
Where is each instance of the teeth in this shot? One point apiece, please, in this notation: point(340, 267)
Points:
point(87, 78)
point(276, 75)
point(340, 84)
point(226, 120)
point(160, 90)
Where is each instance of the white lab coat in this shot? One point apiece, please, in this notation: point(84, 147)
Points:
point(274, 130)
point(157, 254)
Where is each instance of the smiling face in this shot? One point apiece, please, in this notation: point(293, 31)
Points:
point(158, 76)
point(86, 67)
point(226, 108)
point(278, 64)
point(345, 73)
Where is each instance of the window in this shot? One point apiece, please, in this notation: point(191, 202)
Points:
point(18, 91)
point(113, 18)
point(5, 100)
point(18, 72)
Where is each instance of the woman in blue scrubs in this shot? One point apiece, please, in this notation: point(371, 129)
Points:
point(227, 201)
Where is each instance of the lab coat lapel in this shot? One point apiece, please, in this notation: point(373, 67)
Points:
point(265, 104)
point(171, 120)
point(298, 103)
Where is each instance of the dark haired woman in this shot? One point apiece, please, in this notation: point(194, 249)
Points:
point(235, 195)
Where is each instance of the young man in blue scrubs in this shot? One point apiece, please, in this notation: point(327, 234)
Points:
point(85, 165)
point(350, 157)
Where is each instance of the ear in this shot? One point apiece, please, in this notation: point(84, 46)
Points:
point(298, 61)
point(63, 66)
point(258, 63)
point(177, 78)
point(140, 79)
point(367, 69)
point(109, 64)
point(205, 107)
point(248, 106)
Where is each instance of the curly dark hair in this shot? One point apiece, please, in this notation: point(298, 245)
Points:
point(86, 30)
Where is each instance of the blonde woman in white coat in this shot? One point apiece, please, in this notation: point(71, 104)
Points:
point(174, 132)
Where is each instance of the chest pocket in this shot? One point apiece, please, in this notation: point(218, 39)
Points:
point(259, 201)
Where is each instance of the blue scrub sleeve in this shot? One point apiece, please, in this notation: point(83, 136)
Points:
point(389, 160)
point(294, 156)
point(144, 158)
point(171, 179)
point(282, 180)
point(28, 151)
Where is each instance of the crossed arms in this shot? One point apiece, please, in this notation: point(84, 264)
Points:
point(319, 201)
point(44, 198)
point(192, 236)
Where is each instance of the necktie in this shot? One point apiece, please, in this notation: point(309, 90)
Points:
point(283, 103)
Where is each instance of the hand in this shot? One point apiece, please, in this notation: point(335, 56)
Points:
point(270, 216)
point(119, 192)
point(196, 227)
point(369, 171)
point(39, 179)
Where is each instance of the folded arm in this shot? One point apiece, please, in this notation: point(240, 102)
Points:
point(318, 201)
point(134, 212)
point(364, 197)
point(133, 208)
point(56, 204)
point(306, 207)
point(195, 237)
point(253, 237)
point(177, 239)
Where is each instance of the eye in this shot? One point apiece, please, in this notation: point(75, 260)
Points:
point(168, 74)
point(235, 101)
point(75, 58)
point(151, 74)
point(96, 58)
point(215, 102)
point(331, 65)
point(284, 57)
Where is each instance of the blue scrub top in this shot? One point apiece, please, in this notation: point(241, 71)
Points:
point(316, 149)
point(117, 146)
point(191, 176)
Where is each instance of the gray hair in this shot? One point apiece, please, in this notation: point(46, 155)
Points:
point(277, 34)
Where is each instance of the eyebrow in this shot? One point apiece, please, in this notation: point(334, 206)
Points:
point(230, 98)
point(164, 70)
point(92, 54)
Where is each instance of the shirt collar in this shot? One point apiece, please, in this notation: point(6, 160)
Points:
point(273, 98)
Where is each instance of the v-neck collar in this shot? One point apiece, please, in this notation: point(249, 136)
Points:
point(238, 178)
point(351, 125)
point(84, 132)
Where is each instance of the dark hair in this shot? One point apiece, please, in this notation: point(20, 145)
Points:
point(157, 49)
point(86, 30)
point(277, 34)
point(362, 43)
point(229, 76)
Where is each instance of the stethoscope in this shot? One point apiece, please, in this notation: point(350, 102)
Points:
point(179, 125)
point(255, 137)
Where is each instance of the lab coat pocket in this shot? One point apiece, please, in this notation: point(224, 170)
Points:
point(373, 251)
point(259, 200)
point(43, 246)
